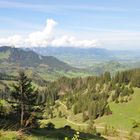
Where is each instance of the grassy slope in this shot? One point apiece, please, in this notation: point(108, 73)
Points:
point(123, 113)
point(4, 54)
point(122, 118)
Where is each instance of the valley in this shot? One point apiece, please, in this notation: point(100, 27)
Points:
point(98, 106)
point(94, 60)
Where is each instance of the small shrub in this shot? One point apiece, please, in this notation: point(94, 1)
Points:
point(67, 127)
point(116, 101)
point(135, 124)
point(50, 126)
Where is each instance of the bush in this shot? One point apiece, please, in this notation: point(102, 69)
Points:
point(67, 127)
point(116, 101)
point(50, 126)
point(98, 134)
point(135, 124)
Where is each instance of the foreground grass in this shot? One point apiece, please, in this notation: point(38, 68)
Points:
point(43, 134)
point(15, 135)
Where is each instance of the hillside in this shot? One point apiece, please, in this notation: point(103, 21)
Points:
point(30, 59)
point(47, 67)
point(125, 115)
point(111, 66)
point(112, 103)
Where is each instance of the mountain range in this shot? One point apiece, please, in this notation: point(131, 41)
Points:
point(88, 57)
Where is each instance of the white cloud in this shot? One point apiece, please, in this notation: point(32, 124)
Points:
point(71, 41)
point(15, 40)
point(46, 38)
point(42, 38)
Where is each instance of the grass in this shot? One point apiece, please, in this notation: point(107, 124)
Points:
point(2, 86)
point(74, 121)
point(15, 135)
point(123, 113)
point(7, 135)
point(4, 54)
point(44, 134)
point(61, 122)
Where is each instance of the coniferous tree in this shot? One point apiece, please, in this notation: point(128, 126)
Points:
point(24, 95)
point(107, 77)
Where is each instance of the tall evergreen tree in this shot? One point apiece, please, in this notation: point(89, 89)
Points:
point(24, 95)
point(107, 77)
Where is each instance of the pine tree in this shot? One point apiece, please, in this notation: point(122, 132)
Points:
point(92, 110)
point(75, 109)
point(24, 95)
point(107, 77)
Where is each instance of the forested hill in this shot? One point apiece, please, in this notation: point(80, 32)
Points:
point(91, 95)
point(30, 59)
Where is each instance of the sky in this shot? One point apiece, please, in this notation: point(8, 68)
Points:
point(111, 24)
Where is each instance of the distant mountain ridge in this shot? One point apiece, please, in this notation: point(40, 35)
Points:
point(96, 52)
point(88, 57)
point(28, 58)
point(39, 68)
point(100, 52)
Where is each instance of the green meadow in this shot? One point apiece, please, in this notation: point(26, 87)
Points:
point(123, 114)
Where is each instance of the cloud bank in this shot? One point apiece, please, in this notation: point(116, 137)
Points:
point(46, 38)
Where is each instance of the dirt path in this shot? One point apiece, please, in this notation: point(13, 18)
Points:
point(63, 105)
point(68, 118)
point(79, 124)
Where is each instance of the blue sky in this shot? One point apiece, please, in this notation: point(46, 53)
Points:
point(113, 24)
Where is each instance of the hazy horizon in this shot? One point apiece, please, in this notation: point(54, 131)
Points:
point(26, 47)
